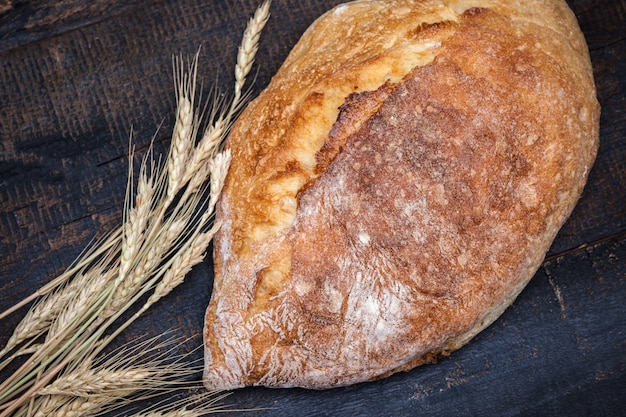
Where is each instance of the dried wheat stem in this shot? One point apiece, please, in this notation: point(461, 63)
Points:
point(85, 259)
point(132, 270)
point(11, 406)
point(159, 242)
point(185, 128)
point(40, 317)
point(193, 406)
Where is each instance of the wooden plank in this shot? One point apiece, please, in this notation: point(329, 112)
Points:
point(78, 76)
point(24, 22)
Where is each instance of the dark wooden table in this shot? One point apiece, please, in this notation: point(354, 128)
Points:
point(77, 76)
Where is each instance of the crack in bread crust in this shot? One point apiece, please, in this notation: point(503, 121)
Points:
point(368, 230)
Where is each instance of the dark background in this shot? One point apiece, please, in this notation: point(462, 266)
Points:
point(76, 76)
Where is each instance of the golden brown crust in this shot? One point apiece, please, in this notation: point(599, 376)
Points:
point(392, 199)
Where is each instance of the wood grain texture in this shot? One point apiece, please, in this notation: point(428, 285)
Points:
point(77, 77)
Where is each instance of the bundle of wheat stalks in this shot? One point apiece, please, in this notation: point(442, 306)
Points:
point(168, 224)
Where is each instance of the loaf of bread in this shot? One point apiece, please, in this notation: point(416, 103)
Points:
point(395, 187)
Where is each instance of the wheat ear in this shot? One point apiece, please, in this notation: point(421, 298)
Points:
point(88, 288)
point(249, 47)
point(136, 220)
point(204, 154)
point(102, 382)
point(165, 233)
point(36, 321)
point(126, 374)
point(62, 406)
point(213, 136)
point(184, 129)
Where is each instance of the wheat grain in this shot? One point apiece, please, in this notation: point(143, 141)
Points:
point(46, 405)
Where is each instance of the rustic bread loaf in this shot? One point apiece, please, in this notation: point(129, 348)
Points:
point(395, 187)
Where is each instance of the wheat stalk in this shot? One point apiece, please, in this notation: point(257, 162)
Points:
point(194, 406)
point(56, 297)
point(134, 371)
point(91, 253)
point(211, 139)
point(165, 232)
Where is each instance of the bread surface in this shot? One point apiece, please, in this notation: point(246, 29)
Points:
point(395, 187)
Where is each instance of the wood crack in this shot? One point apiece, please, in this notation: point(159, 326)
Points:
point(584, 246)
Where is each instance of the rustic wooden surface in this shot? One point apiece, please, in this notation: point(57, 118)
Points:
point(76, 76)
